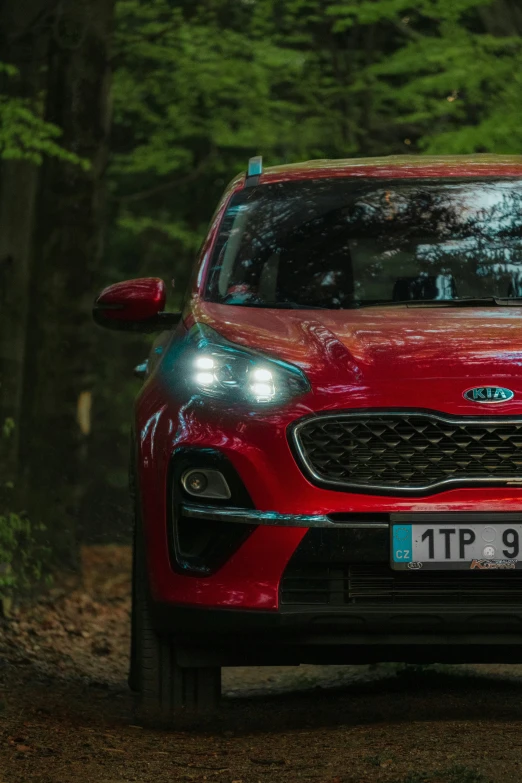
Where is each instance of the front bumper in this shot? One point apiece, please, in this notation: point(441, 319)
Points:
point(284, 505)
point(366, 621)
point(227, 637)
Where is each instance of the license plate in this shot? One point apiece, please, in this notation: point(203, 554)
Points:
point(465, 546)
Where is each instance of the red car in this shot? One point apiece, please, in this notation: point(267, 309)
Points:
point(327, 447)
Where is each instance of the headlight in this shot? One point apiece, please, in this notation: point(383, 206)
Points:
point(223, 370)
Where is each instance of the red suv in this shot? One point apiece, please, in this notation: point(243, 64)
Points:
point(327, 447)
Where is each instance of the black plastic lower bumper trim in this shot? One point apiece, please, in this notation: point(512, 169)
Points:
point(230, 637)
point(308, 627)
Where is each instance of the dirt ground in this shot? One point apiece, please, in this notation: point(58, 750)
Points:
point(66, 715)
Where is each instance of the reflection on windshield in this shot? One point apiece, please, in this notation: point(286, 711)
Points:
point(341, 243)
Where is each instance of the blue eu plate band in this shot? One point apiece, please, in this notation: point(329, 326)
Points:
point(402, 544)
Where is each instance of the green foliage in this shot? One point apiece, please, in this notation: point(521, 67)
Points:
point(195, 94)
point(22, 556)
point(449, 83)
point(400, 11)
point(24, 135)
point(8, 427)
point(201, 87)
point(191, 83)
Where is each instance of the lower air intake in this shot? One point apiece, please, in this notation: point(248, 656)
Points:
point(367, 584)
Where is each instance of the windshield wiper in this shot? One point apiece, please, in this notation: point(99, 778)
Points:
point(470, 301)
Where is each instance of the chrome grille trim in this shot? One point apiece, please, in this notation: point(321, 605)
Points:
point(251, 516)
point(306, 462)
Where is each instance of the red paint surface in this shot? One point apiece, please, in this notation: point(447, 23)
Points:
point(376, 358)
point(399, 167)
point(133, 300)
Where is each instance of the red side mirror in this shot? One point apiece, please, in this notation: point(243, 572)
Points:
point(134, 305)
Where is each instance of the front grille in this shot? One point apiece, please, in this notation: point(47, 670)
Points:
point(408, 452)
point(376, 584)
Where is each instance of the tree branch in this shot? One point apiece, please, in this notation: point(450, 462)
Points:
point(164, 186)
point(407, 30)
point(41, 18)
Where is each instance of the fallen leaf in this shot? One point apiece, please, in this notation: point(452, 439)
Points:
point(15, 740)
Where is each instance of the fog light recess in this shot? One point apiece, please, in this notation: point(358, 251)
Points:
point(202, 483)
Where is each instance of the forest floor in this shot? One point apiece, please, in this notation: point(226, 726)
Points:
point(66, 715)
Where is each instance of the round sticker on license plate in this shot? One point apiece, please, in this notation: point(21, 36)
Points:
point(467, 546)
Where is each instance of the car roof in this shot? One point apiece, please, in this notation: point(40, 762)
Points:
point(398, 166)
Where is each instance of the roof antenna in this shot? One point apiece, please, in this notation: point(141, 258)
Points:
point(254, 171)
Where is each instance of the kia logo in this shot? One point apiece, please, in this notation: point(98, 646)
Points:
point(489, 394)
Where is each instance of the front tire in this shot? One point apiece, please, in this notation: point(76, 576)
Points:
point(164, 688)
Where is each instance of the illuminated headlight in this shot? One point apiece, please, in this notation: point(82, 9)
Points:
point(220, 369)
point(204, 363)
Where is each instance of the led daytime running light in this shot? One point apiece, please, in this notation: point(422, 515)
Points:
point(236, 374)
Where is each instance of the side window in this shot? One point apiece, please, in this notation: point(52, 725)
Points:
point(233, 229)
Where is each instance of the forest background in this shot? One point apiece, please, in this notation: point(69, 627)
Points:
point(121, 122)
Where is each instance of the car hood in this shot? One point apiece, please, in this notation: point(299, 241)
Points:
point(393, 356)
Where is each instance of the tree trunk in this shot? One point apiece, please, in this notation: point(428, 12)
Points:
point(23, 43)
point(66, 253)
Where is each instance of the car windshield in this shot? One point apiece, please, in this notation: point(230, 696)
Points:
point(340, 243)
